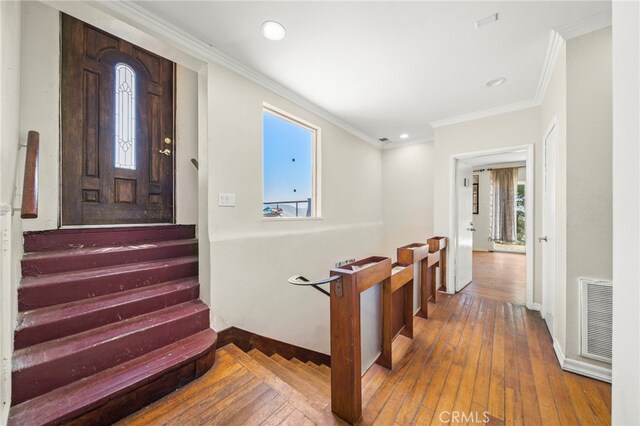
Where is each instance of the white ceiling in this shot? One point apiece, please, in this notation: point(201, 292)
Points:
point(387, 68)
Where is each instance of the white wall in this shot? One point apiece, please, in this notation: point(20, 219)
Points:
point(407, 188)
point(589, 172)
point(186, 145)
point(251, 258)
point(39, 104)
point(10, 233)
point(506, 130)
point(625, 392)
point(407, 200)
point(482, 220)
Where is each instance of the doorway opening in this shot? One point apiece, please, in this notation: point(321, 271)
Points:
point(492, 251)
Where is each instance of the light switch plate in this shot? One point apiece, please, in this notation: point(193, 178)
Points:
point(227, 199)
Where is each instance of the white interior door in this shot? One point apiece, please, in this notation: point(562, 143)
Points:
point(464, 238)
point(548, 239)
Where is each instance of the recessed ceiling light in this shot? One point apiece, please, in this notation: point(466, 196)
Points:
point(496, 82)
point(404, 136)
point(273, 30)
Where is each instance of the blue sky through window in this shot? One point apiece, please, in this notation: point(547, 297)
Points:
point(283, 142)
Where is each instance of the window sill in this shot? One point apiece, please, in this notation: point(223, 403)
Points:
point(290, 219)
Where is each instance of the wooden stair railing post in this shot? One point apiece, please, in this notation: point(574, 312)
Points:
point(29, 208)
point(438, 247)
point(413, 253)
point(346, 357)
point(430, 272)
point(400, 280)
point(385, 359)
point(346, 345)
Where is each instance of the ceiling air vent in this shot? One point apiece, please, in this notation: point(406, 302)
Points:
point(384, 139)
point(596, 318)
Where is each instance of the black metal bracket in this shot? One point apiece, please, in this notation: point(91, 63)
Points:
point(301, 280)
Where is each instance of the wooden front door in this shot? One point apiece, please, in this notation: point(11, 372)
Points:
point(117, 130)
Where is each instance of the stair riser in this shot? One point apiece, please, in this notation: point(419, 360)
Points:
point(42, 378)
point(76, 238)
point(70, 289)
point(62, 263)
point(56, 329)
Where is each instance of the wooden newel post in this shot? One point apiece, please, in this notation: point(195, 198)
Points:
point(346, 357)
point(346, 345)
point(410, 254)
point(438, 248)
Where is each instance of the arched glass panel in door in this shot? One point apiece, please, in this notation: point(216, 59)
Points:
point(125, 120)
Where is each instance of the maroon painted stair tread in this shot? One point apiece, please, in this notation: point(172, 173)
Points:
point(41, 368)
point(51, 262)
point(58, 321)
point(69, 402)
point(37, 292)
point(62, 239)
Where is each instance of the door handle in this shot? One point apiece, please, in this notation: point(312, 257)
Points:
point(165, 151)
point(541, 239)
point(471, 229)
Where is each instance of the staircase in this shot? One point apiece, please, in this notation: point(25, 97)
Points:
point(247, 389)
point(255, 389)
point(109, 321)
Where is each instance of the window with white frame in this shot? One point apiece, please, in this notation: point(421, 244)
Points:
point(289, 152)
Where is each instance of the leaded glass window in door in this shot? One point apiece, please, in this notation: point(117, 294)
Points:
point(125, 120)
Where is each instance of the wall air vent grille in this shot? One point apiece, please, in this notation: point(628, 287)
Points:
point(596, 318)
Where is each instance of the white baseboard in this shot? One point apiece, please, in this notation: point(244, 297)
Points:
point(535, 307)
point(581, 367)
point(586, 369)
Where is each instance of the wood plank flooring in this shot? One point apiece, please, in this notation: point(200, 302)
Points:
point(475, 360)
point(500, 276)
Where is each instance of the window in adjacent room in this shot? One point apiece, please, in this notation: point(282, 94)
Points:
point(289, 147)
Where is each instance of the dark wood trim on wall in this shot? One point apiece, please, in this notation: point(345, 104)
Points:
point(247, 340)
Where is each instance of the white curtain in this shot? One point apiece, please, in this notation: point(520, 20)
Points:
point(504, 184)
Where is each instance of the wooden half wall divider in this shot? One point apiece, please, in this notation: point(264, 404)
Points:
point(347, 282)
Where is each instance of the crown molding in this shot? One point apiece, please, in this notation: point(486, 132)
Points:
point(586, 25)
point(394, 145)
point(141, 17)
point(485, 113)
point(551, 59)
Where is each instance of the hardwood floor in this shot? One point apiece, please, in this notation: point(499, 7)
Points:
point(475, 359)
point(500, 276)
